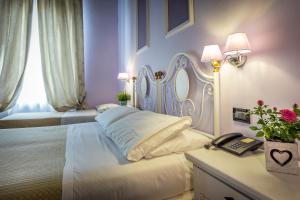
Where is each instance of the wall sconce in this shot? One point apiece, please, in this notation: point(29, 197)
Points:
point(236, 49)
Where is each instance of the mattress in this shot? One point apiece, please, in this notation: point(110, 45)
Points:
point(39, 119)
point(32, 162)
point(96, 169)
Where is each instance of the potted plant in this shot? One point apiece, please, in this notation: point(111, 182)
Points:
point(123, 97)
point(280, 129)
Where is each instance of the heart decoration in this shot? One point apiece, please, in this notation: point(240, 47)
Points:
point(290, 156)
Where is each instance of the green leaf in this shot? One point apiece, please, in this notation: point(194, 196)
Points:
point(253, 128)
point(266, 129)
point(297, 111)
point(260, 134)
point(269, 111)
point(261, 122)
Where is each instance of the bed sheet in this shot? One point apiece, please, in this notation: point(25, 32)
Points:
point(96, 169)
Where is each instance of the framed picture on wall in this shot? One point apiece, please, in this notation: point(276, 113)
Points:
point(179, 15)
point(142, 24)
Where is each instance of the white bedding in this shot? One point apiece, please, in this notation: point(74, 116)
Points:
point(96, 169)
point(187, 140)
point(139, 133)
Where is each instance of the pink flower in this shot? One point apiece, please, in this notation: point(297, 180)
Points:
point(260, 102)
point(288, 115)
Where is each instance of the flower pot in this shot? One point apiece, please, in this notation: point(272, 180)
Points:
point(281, 157)
point(123, 103)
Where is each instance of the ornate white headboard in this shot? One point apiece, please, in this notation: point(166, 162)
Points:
point(184, 90)
point(146, 89)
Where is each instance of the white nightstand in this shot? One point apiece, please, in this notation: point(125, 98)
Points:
point(220, 175)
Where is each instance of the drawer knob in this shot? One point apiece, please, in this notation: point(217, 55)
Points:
point(228, 198)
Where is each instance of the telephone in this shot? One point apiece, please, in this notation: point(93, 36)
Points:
point(236, 143)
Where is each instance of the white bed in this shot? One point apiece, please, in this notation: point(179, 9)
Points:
point(97, 154)
point(39, 119)
point(107, 159)
point(95, 168)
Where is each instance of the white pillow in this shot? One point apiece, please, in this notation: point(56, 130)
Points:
point(188, 139)
point(103, 107)
point(110, 116)
point(139, 133)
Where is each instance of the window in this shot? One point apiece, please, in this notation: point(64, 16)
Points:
point(32, 97)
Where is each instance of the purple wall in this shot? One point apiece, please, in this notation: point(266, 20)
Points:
point(100, 50)
point(272, 71)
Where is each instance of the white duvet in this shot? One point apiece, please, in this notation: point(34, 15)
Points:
point(96, 169)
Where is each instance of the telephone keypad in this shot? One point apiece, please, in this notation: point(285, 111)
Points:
point(237, 145)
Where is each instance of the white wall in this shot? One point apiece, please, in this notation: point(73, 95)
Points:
point(272, 71)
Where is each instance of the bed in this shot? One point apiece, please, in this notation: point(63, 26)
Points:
point(32, 162)
point(109, 159)
point(106, 173)
point(36, 163)
point(39, 119)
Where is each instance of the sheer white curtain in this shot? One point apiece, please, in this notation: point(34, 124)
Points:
point(32, 97)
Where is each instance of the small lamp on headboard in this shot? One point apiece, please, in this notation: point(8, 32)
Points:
point(212, 54)
point(125, 77)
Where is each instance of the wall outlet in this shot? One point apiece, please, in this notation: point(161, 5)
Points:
point(240, 115)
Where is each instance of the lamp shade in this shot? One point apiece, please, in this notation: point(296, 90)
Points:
point(211, 53)
point(123, 76)
point(237, 43)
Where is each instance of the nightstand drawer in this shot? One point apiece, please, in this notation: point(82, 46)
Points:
point(208, 187)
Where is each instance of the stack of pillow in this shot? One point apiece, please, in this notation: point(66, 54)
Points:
point(143, 134)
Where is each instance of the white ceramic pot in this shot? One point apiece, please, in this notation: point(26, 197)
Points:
point(281, 157)
point(123, 103)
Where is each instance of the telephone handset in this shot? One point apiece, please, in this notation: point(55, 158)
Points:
point(236, 143)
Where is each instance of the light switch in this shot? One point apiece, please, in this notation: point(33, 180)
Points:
point(240, 115)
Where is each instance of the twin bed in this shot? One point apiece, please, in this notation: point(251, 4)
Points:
point(38, 119)
point(126, 154)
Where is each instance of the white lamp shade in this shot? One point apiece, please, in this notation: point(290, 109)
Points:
point(211, 53)
point(123, 76)
point(237, 43)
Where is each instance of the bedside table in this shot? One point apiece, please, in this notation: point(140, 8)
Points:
point(220, 175)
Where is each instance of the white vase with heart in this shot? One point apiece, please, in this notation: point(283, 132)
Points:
point(281, 157)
